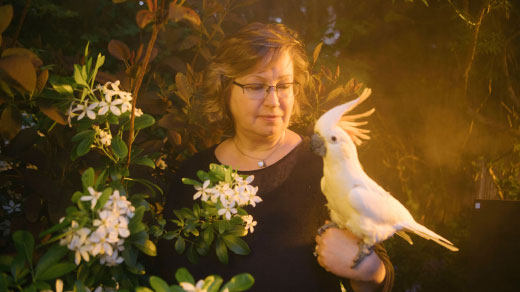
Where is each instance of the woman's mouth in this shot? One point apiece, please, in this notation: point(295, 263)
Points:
point(270, 118)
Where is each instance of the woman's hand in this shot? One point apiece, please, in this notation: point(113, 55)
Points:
point(336, 249)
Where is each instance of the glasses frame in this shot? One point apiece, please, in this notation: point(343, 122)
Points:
point(268, 88)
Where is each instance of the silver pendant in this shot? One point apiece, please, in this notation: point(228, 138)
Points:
point(262, 164)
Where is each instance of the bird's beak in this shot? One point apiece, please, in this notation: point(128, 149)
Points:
point(318, 145)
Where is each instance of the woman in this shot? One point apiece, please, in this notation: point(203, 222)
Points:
point(253, 86)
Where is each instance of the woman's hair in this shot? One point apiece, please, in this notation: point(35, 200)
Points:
point(240, 54)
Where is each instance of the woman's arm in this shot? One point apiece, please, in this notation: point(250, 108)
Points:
point(336, 249)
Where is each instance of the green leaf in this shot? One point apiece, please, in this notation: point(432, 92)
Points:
point(79, 286)
point(148, 248)
point(138, 217)
point(119, 147)
point(56, 270)
point(240, 282)
point(221, 250)
point(158, 284)
point(143, 121)
point(83, 135)
point(180, 245)
point(189, 181)
point(192, 255)
point(143, 289)
point(202, 175)
point(87, 178)
point(41, 286)
point(17, 266)
point(64, 89)
point(30, 288)
point(84, 146)
point(212, 283)
point(177, 288)
point(202, 247)
point(52, 256)
point(182, 275)
point(103, 199)
point(236, 244)
point(102, 177)
point(144, 161)
point(78, 76)
point(208, 235)
point(24, 243)
point(4, 282)
point(76, 196)
point(99, 62)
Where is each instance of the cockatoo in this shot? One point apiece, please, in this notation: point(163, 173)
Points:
point(355, 201)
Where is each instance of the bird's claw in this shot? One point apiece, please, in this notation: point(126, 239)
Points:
point(326, 226)
point(363, 252)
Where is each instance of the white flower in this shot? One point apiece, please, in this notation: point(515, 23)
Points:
point(100, 244)
point(188, 287)
point(202, 191)
point(94, 196)
point(227, 208)
point(109, 104)
point(138, 112)
point(221, 191)
point(111, 260)
point(123, 206)
point(86, 109)
point(11, 207)
point(105, 138)
point(80, 244)
point(126, 98)
point(250, 224)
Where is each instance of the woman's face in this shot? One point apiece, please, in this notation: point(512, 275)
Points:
point(269, 116)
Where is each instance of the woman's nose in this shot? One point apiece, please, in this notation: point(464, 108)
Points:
point(272, 99)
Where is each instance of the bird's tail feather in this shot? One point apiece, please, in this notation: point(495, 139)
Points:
point(428, 234)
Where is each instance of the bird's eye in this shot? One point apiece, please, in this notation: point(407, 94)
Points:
point(333, 138)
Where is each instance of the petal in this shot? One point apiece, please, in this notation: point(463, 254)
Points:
point(115, 110)
point(91, 114)
point(103, 110)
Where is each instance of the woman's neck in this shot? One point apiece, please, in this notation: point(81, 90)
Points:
point(257, 144)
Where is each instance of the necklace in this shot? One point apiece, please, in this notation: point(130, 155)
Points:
point(261, 163)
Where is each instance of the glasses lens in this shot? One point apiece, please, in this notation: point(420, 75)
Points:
point(255, 91)
point(286, 89)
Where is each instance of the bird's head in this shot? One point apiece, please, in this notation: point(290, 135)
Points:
point(334, 132)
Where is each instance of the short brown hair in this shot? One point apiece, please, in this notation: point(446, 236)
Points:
point(239, 54)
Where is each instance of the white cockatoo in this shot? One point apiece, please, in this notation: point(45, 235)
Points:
point(355, 201)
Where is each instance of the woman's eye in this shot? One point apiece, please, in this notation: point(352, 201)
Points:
point(254, 87)
point(284, 86)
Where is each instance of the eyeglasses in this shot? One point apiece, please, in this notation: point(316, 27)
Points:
point(260, 91)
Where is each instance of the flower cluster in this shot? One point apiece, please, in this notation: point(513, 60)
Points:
point(105, 236)
point(228, 196)
point(112, 100)
point(105, 137)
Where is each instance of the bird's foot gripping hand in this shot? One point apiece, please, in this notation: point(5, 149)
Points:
point(327, 226)
point(363, 252)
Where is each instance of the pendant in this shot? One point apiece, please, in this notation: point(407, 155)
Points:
point(262, 164)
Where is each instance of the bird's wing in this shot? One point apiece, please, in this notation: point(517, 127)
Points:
point(378, 205)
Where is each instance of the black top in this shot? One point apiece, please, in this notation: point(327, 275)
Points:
point(282, 245)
